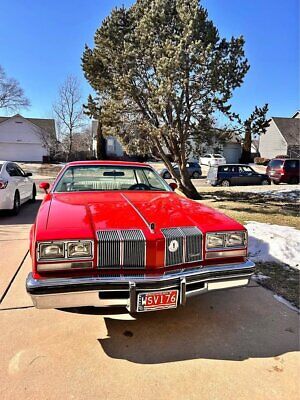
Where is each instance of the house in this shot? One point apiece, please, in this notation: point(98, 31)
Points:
point(26, 139)
point(282, 137)
point(113, 146)
point(231, 149)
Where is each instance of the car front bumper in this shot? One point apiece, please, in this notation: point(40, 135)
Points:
point(123, 291)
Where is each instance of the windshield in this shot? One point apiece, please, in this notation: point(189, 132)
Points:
point(218, 156)
point(105, 177)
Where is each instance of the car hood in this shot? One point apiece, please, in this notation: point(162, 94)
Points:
point(74, 215)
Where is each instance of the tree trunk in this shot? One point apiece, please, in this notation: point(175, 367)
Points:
point(101, 142)
point(185, 184)
point(246, 151)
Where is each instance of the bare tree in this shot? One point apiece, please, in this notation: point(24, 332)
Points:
point(69, 112)
point(12, 96)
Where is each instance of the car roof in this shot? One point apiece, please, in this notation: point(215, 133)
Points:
point(108, 162)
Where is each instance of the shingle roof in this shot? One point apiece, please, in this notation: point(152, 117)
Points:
point(46, 124)
point(290, 129)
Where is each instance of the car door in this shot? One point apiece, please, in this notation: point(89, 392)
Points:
point(27, 182)
point(247, 176)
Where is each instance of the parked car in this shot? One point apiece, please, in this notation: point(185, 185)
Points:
point(236, 174)
point(212, 159)
point(193, 168)
point(115, 233)
point(16, 187)
point(281, 170)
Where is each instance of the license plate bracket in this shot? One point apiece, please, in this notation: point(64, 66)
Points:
point(160, 300)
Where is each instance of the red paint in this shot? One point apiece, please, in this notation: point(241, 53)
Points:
point(74, 215)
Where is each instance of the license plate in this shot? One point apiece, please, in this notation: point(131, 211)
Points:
point(153, 301)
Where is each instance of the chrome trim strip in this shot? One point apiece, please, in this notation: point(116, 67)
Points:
point(209, 255)
point(147, 223)
point(192, 272)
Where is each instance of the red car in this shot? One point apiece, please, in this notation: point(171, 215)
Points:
point(115, 233)
point(281, 170)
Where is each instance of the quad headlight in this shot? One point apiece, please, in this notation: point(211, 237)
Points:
point(49, 251)
point(79, 249)
point(223, 240)
point(65, 250)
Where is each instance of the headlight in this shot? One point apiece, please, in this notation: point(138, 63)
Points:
point(215, 240)
point(225, 240)
point(235, 239)
point(51, 250)
point(79, 249)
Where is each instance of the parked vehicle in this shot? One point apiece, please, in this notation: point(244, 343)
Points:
point(193, 168)
point(281, 170)
point(236, 174)
point(212, 159)
point(16, 187)
point(115, 233)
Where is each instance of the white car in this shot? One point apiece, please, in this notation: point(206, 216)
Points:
point(212, 159)
point(15, 187)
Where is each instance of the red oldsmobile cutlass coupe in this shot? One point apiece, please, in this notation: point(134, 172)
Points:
point(114, 233)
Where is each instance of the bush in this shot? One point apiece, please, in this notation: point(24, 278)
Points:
point(261, 160)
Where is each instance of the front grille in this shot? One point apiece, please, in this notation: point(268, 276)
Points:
point(121, 248)
point(182, 245)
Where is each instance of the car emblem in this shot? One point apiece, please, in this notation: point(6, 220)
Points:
point(173, 246)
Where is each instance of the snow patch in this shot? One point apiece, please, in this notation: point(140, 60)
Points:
point(274, 243)
point(287, 303)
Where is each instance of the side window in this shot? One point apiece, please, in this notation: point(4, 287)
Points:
point(226, 169)
point(19, 171)
point(11, 170)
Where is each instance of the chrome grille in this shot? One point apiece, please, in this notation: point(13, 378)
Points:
point(189, 240)
point(121, 248)
point(193, 250)
point(109, 253)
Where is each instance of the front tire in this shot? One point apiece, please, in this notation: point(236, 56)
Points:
point(33, 196)
point(196, 175)
point(225, 183)
point(265, 182)
point(17, 204)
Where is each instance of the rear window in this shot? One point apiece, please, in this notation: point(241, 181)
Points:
point(276, 164)
point(218, 156)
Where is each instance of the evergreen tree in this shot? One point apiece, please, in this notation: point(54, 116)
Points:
point(164, 71)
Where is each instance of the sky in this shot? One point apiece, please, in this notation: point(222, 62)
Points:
point(41, 43)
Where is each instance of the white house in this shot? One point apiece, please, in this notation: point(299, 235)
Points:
point(281, 138)
point(113, 146)
point(23, 139)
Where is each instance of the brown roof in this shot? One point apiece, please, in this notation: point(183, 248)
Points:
point(290, 129)
point(47, 124)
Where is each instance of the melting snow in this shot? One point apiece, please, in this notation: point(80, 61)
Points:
point(274, 243)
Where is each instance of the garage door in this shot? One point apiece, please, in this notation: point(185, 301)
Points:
point(21, 152)
point(232, 153)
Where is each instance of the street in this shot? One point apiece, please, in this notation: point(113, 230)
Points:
point(240, 343)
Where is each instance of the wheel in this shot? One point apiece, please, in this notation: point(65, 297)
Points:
point(33, 196)
point(167, 175)
point(265, 182)
point(294, 180)
point(225, 183)
point(196, 175)
point(17, 204)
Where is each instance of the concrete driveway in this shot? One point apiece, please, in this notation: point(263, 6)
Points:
point(236, 344)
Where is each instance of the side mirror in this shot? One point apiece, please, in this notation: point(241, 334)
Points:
point(173, 186)
point(45, 186)
point(28, 173)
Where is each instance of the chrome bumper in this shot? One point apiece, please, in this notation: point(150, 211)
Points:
point(122, 291)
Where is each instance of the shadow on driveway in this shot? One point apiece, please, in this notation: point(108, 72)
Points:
point(26, 215)
point(234, 325)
